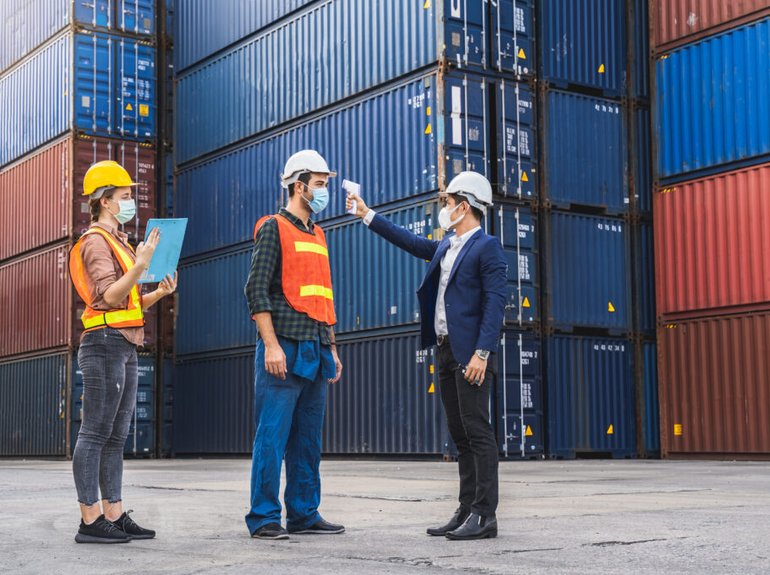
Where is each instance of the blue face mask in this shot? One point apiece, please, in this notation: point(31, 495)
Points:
point(320, 199)
point(127, 210)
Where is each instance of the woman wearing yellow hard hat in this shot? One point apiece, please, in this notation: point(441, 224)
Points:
point(105, 270)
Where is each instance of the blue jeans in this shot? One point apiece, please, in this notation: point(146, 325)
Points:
point(110, 378)
point(289, 418)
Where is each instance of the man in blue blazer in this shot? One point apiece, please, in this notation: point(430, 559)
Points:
point(462, 302)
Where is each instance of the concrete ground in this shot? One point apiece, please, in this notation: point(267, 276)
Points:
point(555, 517)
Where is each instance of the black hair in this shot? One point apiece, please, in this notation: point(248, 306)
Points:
point(304, 178)
point(478, 214)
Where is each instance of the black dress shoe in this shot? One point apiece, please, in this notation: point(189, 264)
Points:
point(320, 527)
point(457, 519)
point(271, 531)
point(475, 527)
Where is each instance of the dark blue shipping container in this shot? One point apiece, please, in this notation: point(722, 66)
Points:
point(519, 395)
point(212, 313)
point(640, 31)
point(388, 399)
point(95, 83)
point(517, 228)
point(26, 24)
point(650, 417)
point(214, 404)
point(583, 43)
point(587, 272)
point(33, 396)
point(644, 277)
point(515, 134)
point(586, 153)
point(591, 397)
point(229, 98)
point(711, 102)
point(641, 160)
point(407, 140)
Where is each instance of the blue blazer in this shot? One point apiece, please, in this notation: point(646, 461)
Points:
point(475, 295)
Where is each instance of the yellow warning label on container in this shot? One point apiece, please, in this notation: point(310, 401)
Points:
point(601, 69)
point(522, 55)
point(524, 177)
point(525, 303)
point(430, 236)
point(610, 307)
point(528, 432)
point(144, 110)
point(611, 430)
point(432, 369)
point(426, 5)
point(428, 130)
point(432, 388)
point(427, 110)
point(129, 107)
point(677, 429)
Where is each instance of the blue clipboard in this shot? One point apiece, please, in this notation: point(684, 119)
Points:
point(166, 256)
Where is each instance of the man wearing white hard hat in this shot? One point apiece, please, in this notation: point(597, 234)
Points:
point(462, 303)
point(290, 297)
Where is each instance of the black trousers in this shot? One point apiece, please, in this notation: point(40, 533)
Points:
point(467, 411)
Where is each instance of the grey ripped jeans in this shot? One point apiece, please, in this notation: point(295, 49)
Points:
point(109, 365)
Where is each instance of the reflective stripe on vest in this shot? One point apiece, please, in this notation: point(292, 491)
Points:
point(132, 316)
point(306, 277)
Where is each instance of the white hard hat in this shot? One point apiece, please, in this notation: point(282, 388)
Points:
point(301, 163)
point(473, 187)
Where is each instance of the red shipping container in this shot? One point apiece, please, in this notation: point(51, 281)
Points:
point(712, 240)
point(677, 22)
point(714, 391)
point(41, 199)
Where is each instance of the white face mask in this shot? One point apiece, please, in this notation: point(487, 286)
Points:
point(445, 218)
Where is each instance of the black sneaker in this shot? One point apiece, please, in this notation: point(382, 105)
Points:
point(320, 527)
point(129, 526)
point(101, 531)
point(271, 531)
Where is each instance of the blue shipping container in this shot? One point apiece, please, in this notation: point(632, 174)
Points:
point(591, 397)
point(711, 102)
point(651, 415)
point(216, 284)
point(229, 98)
point(33, 395)
point(519, 395)
point(640, 72)
point(586, 153)
point(95, 83)
point(587, 272)
point(644, 277)
point(429, 129)
point(583, 42)
point(641, 160)
point(214, 405)
point(136, 16)
point(388, 399)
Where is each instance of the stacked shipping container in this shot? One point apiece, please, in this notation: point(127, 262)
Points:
point(401, 113)
point(77, 81)
point(712, 76)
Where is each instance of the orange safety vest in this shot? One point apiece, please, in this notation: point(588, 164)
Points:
point(132, 315)
point(306, 276)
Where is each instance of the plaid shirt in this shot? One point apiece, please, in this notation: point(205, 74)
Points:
point(264, 291)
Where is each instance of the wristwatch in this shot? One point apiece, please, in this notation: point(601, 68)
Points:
point(483, 354)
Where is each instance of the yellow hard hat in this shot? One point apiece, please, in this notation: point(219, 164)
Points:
point(106, 174)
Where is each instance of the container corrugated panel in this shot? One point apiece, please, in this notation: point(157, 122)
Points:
point(640, 29)
point(644, 276)
point(517, 228)
point(641, 160)
point(35, 303)
point(651, 415)
point(33, 393)
point(711, 242)
point(678, 21)
point(217, 281)
point(591, 397)
point(78, 82)
point(519, 395)
point(710, 98)
point(240, 102)
point(136, 16)
point(583, 42)
point(587, 281)
point(429, 129)
point(214, 405)
point(387, 401)
point(585, 152)
point(714, 393)
point(25, 25)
